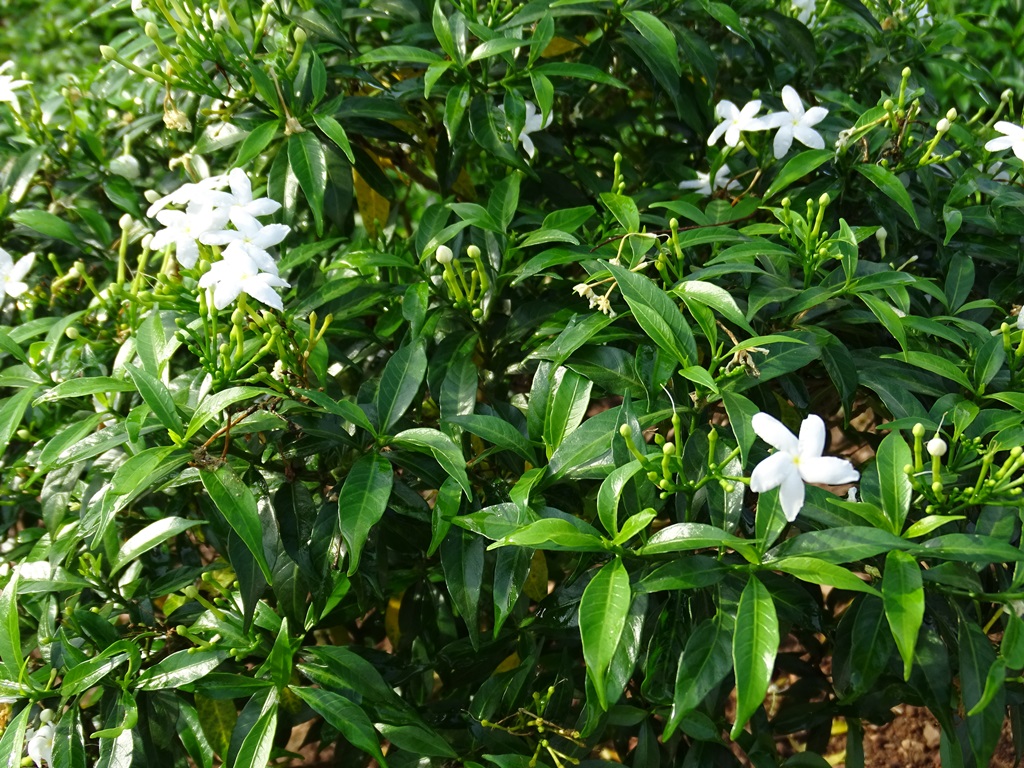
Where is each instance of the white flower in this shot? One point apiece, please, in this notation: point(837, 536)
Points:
point(188, 193)
point(12, 274)
point(534, 122)
point(703, 185)
point(1020, 319)
point(125, 165)
point(250, 239)
point(1012, 138)
point(239, 274)
point(795, 123)
point(8, 85)
point(242, 206)
point(184, 228)
point(804, 10)
point(40, 744)
point(735, 120)
point(796, 462)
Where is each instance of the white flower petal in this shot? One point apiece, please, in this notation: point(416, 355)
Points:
point(828, 470)
point(812, 437)
point(774, 432)
point(771, 472)
point(783, 141)
point(791, 100)
point(791, 496)
point(261, 291)
point(808, 137)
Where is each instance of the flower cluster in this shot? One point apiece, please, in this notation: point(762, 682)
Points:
point(796, 461)
point(246, 265)
point(794, 123)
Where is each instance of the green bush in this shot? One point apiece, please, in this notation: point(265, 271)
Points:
point(458, 376)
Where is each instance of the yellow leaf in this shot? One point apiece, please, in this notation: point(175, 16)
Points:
point(536, 585)
point(558, 46)
point(507, 664)
point(391, 626)
point(217, 718)
point(374, 208)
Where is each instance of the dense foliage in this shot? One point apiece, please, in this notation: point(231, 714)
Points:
point(455, 378)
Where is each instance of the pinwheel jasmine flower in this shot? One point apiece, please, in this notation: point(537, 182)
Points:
point(796, 461)
point(12, 274)
point(241, 205)
point(39, 744)
point(703, 185)
point(534, 122)
point(795, 123)
point(804, 10)
point(1012, 138)
point(184, 228)
point(190, 192)
point(735, 120)
point(251, 239)
point(8, 85)
point(240, 274)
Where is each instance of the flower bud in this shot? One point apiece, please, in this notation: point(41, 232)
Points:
point(936, 447)
point(918, 430)
point(107, 52)
point(668, 448)
point(300, 36)
point(942, 126)
point(951, 114)
point(444, 255)
point(473, 252)
point(152, 32)
point(125, 221)
point(1006, 95)
point(125, 165)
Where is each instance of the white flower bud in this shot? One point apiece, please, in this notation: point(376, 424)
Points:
point(936, 447)
point(125, 221)
point(951, 114)
point(444, 255)
point(880, 234)
point(942, 126)
point(107, 52)
point(125, 165)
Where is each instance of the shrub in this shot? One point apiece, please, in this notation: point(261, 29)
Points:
point(415, 369)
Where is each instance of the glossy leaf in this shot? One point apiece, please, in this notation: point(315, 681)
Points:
point(602, 615)
point(307, 161)
point(236, 502)
point(657, 315)
point(399, 384)
point(754, 645)
point(903, 597)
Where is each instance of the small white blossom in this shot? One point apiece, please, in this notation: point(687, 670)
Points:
point(1012, 138)
point(796, 461)
point(242, 207)
point(735, 120)
point(1020, 319)
point(703, 185)
point(239, 274)
point(12, 274)
point(795, 123)
point(39, 744)
point(936, 447)
point(251, 239)
point(534, 122)
point(8, 86)
point(804, 10)
point(190, 192)
point(184, 228)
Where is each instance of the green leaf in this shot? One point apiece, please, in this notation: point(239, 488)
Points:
point(398, 53)
point(504, 200)
point(690, 572)
point(156, 395)
point(754, 645)
point(934, 364)
point(211, 406)
point(715, 297)
point(441, 447)
point(566, 406)
point(346, 409)
point(238, 505)
point(495, 46)
point(362, 501)
point(657, 315)
point(890, 186)
point(970, 548)
point(623, 209)
point(308, 163)
point(10, 633)
point(347, 717)
point(462, 560)
point(844, 544)
point(12, 740)
point(819, 572)
point(257, 140)
point(686, 537)
point(556, 534)
point(416, 739)
point(399, 383)
point(609, 494)
point(705, 661)
point(663, 52)
point(85, 387)
point(903, 597)
point(603, 610)
point(180, 668)
point(259, 741)
point(578, 72)
point(497, 431)
point(12, 412)
point(336, 133)
point(151, 536)
point(798, 167)
point(582, 452)
point(45, 223)
point(741, 411)
point(894, 485)
point(1012, 645)
point(976, 660)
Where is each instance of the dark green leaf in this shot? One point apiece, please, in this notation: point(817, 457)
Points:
point(308, 163)
point(754, 645)
point(603, 610)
